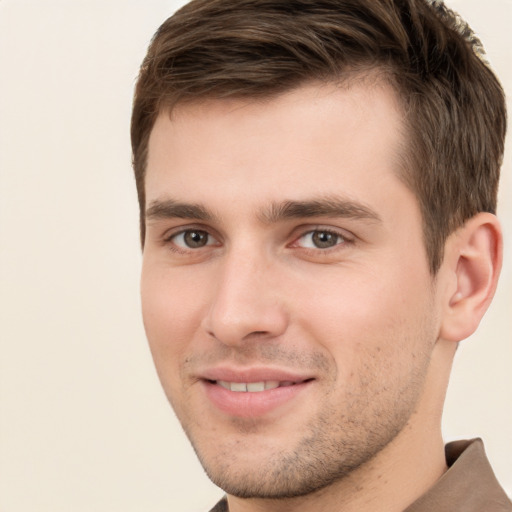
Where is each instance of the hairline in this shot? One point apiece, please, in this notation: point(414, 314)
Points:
point(376, 75)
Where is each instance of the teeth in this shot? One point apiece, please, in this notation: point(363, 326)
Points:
point(255, 387)
point(252, 387)
point(238, 386)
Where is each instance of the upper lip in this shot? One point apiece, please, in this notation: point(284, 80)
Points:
point(253, 374)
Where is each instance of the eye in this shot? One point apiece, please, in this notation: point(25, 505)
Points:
point(320, 239)
point(192, 239)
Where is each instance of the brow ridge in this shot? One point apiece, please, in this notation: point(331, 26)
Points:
point(170, 208)
point(324, 207)
point(276, 212)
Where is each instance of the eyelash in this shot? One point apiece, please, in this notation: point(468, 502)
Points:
point(169, 240)
point(342, 239)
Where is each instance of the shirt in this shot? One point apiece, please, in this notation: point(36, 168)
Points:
point(469, 484)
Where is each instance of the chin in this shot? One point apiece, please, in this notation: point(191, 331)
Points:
point(269, 473)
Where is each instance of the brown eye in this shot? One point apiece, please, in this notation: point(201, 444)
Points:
point(320, 239)
point(192, 239)
point(324, 239)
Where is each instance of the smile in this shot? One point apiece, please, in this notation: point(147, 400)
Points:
point(253, 387)
point(253, 397)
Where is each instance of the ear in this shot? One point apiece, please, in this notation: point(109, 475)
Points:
point(473, 255)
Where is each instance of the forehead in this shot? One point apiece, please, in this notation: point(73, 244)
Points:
point(314, 140)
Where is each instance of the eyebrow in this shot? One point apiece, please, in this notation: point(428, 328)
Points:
point(276, 212)
point(323, 207)
point(169, 209)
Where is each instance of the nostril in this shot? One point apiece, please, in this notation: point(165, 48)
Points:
point(232, 323)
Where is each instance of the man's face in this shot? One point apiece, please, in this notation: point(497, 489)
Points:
point(285, 287)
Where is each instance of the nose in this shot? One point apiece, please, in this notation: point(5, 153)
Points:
point(247, 301)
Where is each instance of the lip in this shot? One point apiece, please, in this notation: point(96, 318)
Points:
point(252, 404)
point(253, 374)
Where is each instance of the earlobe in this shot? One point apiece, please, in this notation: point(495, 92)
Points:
point(474, 254)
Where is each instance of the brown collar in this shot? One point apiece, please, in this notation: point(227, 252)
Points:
point(469, 485)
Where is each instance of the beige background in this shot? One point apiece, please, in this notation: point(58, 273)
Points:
point(84, 425)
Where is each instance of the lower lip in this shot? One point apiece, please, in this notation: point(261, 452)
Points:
point(247, 404)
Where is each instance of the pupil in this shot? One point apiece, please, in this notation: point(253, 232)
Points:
point(323, 239)
point(196, 238)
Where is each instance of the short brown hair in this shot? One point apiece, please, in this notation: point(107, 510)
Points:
point(454, 107)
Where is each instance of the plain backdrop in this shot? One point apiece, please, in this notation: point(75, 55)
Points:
point(84, 425)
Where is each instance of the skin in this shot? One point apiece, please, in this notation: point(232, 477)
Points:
point(342, 297)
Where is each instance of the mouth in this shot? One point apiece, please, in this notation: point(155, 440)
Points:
point(254, 393)
point(255, 387)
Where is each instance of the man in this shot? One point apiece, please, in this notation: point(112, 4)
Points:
point(317, 183)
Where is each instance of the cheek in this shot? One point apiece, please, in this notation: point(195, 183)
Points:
point(355, 311)
point(171, 312)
